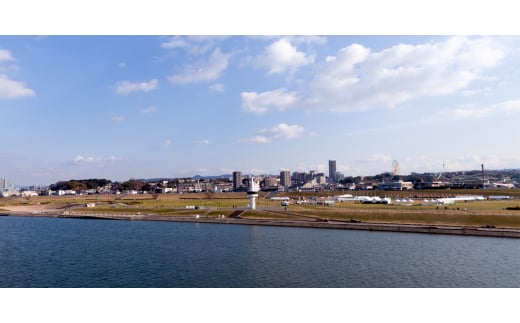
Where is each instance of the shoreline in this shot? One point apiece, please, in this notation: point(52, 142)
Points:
point(342, 225)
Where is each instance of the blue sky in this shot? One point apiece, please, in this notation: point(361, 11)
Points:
point(123, 107)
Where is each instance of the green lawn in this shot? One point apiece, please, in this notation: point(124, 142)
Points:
point(468, 213)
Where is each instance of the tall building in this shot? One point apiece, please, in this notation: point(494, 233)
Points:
point(332, 170)
point(4, 184)
point(285, 178)
point(237, 180)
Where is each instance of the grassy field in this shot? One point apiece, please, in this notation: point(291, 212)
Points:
point(419, 216)
point(482, 213)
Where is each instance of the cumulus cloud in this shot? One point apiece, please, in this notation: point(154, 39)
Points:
point(202, 142)
point(204, 70)
point(279, 132)
point(358, 78)
point(279, 99)
point(127, 87)
point(282, 56)
point(5, 56)
point(10, 89)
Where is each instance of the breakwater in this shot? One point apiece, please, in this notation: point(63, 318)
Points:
point(411, 228)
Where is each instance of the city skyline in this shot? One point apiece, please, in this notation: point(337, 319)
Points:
point(122, 107)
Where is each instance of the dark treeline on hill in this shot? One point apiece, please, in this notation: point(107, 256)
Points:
point(80, 184)
point(92, 184)
point(135, 184)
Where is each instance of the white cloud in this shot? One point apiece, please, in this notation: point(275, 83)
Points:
point(91, 159)
point(196, 45)
point(282, 56)
point(217, 87)
point(10, 89)
point(307, 39)
point(118, 118)
point(261, 102)
point(175, 42)
point(279, 132)
point(150, 109)
point(357, 78)
point(121, 65)
point(5, 56)
point(206, 70)
point(202, 142)
point(127, 87)
point(257, 140)
point(507, 108)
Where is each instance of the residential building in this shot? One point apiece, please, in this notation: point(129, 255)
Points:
point(332, 170)
point(237, 181)
point(285, 178)
point(299, 177)
point(269, 183)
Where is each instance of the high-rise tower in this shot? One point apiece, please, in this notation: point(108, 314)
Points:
point(332, 170)
point(237, 180)
point(285, 178)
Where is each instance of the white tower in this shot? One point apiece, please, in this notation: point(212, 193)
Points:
point(252, 193)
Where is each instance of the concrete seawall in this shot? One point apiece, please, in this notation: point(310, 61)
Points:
point(470, 231)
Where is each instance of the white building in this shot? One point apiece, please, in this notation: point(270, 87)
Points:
point(489, 185)
point(4, 184)
point(29, 193)
point(396, 185)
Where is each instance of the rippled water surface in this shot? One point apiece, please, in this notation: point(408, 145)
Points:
point(51, 252)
